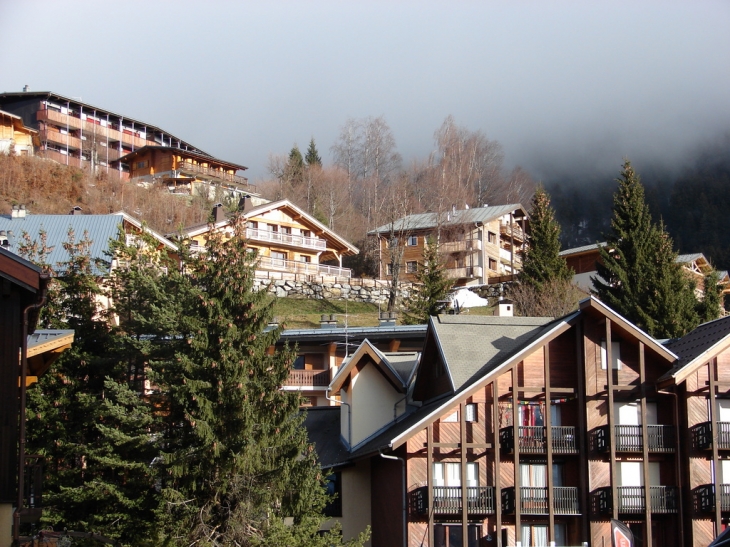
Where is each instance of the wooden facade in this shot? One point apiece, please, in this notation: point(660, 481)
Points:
point(15, 137)
point(549, 441)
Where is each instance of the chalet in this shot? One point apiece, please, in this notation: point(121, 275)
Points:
point(25, 354)
point(507, 431)
point(321, 351)
point(15, 137)
point(79, 134)
point(479, 245)
point(289, 242)
point(186, 172)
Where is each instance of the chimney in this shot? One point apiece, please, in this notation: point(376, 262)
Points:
point(26, 88)
point(18, 212)
point(328, 321)
point(76, 210)
point(505, 308)
point(219, 213)
point(386, 319)
point(244, 204)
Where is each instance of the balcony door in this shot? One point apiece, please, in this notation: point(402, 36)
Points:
point(536, 535)
point(723, 410)
point(629, 413)
point(449, 474)
point(534, 475)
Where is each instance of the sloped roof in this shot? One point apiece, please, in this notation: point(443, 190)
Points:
point(473, 345)
point(478, 215)
point(100, 229)
point(47, 339)
point(188, 153)
point(583, 249)
point(323, 427)
point(396, 367)
point(695, 347)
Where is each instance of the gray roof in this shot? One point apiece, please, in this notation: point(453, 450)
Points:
point(691, 257)
point(583, 249)
point(100, 229)
point(423, 221)
point(473, 345)
point(43, 336)
point(323, 427)
point(403, 363)
point(698, 341)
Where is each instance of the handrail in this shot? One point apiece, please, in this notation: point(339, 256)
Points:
point(290, 239)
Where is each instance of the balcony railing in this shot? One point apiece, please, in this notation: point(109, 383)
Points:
point(58, 119)
point(63, 159)
point(706, 497)
point(447, 500)
point(287, 239)
point(515, 231)
point(663, 499)
point(629, 438)
point(533, 439)
point(268, 263)
point(307, 378)
point(703, 435)
point(187, 167)
point(534, 500)
point(468, 272)
point(62, 139)
point(461, 246)
point(33, 489)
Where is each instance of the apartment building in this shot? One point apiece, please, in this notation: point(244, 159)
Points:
point(78, 134)
point(289, 242)
point(479, 245)
point(513, 431)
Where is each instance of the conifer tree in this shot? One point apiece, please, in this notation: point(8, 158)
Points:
point(639, 276)
point(542, 262)
point(295, 166)
point(709, 307)
point(433, 285)
point(312, 157)
point(236, 461)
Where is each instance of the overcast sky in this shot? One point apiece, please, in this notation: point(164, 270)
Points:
point(577, 85)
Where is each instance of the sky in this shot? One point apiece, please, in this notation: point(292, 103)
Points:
point(565, 87)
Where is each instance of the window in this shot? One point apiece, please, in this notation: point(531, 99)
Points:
point(286, 230)
point(535, 535)
point(615, 355)
point(141, 164)
point(412, 241)
point(252, 224)
point(451, 535)
point(471, 412)
point(305, 258)
point(334, 489)
point(492, 264)
point(272, 227)
point(491, 237)
point(278, 259)
point(412, 266)
point(306, 233)
point(448, 474)
point(388, 269)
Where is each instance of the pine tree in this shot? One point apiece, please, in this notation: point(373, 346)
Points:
point(433, 285)
point(312, 157)
point(295, 166)
point(236, 461)
point(709, 307)
point(542, 262)
point(639, 276)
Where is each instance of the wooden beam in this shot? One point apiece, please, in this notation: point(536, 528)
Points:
point(549, 440)
point(464, 497)
point(580, 350)
point(429, 479)
point(541, 391)
point(611, 428)
point(712, 370)
point(497, 471)
point(645, 447)
point(458, 445)
point(516, 453)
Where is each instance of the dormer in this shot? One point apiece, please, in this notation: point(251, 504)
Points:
point(373, 388)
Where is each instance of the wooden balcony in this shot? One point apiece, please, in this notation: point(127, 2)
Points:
point(465, 245)
point(469, 272)
point(61, 139)
point(705, 497)
point(663, 499)
point(308, 378)
point(629, 438)
point(56, 118)
point(534, 500)
point(286, 239)
point(513, 231)
point(703, 434)
point(189, 168)
point(533, 439)
point(307, 268)
point(447, 500)
point(63, 159)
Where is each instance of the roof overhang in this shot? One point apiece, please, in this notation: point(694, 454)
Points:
point(366, 350)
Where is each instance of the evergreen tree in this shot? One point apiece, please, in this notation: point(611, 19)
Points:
point(542, 262)
point(709, 307)
point(295, 166)
point(639, 276)
point(312, 157)
point(236, 461)
point(433, 285)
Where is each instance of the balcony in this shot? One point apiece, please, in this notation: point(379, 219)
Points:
point(447, 500)
point(705, 497)
point(33, 489)
point(195, 169)
point(307, 268)
point(64, 140)
point(533, 439)
point(629, 438)
point(514, 231)
point(56, 118)
point(286, 239)
point(702, 434)
point(534, 500)
point(470, 272)
point(308, 378)
point(663, 499)
point(63, 159)
point(465, 245)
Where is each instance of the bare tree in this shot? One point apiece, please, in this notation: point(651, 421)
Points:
point(397, 208)
point(344, 152)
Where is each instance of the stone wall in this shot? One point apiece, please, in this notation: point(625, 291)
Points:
point(288, 285)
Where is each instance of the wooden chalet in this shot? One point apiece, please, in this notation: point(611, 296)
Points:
point(288, 240)
point(15, 137)
point(508, 431)
point(479, 246)
point(24, 355)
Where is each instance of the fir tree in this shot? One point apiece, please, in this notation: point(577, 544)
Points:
point(433, 285)
point(709, 307)
point(236, 461)
point(295, 166)
point(542, 262)
point(639, 276)
point(312, 157)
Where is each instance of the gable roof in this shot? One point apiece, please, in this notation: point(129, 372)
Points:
point(696, 347)
point(396, 367)
point(141, 226)
point(204, 227)
point(424, 221)
point(181, 152)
